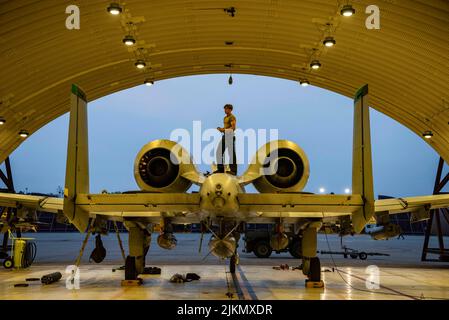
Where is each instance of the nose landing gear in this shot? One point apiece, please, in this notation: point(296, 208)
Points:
point(233, 262)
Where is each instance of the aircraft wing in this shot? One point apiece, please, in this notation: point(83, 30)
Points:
point(109, 204)
point(138, 202)
point(408, 204)
point(261, 205)
point(41, 203)
point(294, 205)
point(299, 205)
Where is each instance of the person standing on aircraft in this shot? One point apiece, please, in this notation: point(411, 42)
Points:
point(227, 142)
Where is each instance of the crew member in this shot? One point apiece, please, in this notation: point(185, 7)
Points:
point(227, 142)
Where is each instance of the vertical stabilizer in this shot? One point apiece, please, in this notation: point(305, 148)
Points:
point(362, 168)
point(77, 168)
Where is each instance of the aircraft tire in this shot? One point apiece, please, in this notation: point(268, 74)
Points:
point(232, 263)
point(295, 249)
point(130, 268)
point(315, 269)
point(262, 249)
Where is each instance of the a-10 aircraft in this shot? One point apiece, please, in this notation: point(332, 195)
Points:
point(164, 172)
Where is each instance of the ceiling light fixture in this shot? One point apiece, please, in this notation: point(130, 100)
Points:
point(347, 10)
point(23, 133)
point(329, 42)
point(427, 134)
point(304, 82)
point(315, 64)
point(149, 83)
point(140, 64)
point(129, 40)
point(230, 80)
point(2, 121)
point(114, 9)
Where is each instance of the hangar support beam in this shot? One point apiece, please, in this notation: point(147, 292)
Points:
point(437, 215)
point(9, 183)
point(7, 178)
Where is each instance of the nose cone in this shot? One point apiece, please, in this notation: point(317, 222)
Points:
point(219, 194)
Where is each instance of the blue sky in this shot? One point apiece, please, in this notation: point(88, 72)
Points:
point(320, 121)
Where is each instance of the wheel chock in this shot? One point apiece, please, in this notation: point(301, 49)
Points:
point(314, 284)
point(132, 283)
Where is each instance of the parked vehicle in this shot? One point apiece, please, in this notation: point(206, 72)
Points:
point(258, 242)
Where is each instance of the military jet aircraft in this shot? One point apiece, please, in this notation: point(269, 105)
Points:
point(164, 171)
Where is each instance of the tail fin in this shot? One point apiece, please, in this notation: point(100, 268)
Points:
point(77, 168)
point(362, 168)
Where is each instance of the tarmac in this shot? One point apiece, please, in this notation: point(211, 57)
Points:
point(401, 275)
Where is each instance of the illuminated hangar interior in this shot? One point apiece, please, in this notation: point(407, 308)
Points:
point(55, 54)
point(405, 62)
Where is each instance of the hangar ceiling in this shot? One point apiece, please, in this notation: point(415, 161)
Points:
point(405, 62)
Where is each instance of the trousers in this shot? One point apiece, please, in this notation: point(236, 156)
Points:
point(227, 143)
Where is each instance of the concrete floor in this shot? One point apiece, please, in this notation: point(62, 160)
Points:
point(401, 275)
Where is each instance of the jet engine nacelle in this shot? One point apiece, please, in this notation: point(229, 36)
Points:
point(164, 166)
point(279, 165)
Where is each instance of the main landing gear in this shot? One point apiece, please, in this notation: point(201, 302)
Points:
point(311, 266)
point(139, 244)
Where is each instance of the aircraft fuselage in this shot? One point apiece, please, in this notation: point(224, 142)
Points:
point(219, 196)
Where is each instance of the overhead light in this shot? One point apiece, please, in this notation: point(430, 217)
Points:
point(329, 42)
point(347, 10)
point(315, 64)
point(427, 134)
point(347, 190)
point(2, 121)
point(304, 82)
point(114, 8)
point(148, 82)
point(129, 40)
point(140, 64)
point(230, 80)
point(322, 190)
point(23, 133)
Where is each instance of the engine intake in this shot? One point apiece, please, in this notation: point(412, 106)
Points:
point(279, 166)
point(156, 169)
point(160, 166)
point(289, 169)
